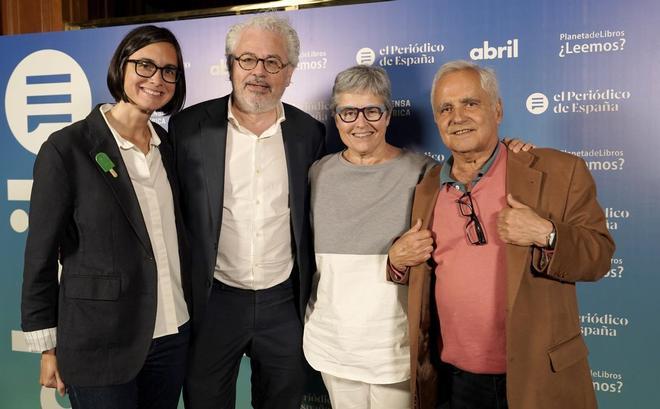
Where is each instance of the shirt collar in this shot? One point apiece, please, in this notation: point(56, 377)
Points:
point(234, 121)
point(124, 143)
point(447, 179)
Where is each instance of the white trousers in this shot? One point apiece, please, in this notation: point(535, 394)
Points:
point(347, 394)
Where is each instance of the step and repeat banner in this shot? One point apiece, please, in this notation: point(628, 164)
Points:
point(580, 76)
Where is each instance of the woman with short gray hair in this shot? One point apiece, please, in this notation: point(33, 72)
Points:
point(356, 329)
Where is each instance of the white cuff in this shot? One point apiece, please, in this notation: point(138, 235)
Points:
point(41, 340)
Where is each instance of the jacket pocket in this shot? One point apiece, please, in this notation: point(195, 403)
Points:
point(92, 288)
point(568, 353)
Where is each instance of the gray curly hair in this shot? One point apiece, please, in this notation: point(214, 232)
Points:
point(269, 22)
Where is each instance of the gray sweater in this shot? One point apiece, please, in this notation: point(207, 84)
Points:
point(356, 323)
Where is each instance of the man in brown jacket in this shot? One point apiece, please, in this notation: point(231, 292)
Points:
point(499, 241)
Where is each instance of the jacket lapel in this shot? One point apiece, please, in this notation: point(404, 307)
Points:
point(297, 173)
point(426, 193)
point(167, 157)
point(524, 184)
point(213, 143)
point(121, 186)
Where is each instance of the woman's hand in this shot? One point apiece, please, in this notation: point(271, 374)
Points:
point(50, 376)
point(517, 145)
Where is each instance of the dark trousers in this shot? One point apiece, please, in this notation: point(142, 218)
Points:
point(157, 385)
point(264, 325)
point(475, 391)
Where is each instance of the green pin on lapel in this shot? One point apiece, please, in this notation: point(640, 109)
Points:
point(106, 163)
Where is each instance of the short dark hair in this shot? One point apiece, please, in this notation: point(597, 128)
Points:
point(133, 41)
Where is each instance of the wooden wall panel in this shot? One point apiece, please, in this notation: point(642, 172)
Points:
point(33, 16)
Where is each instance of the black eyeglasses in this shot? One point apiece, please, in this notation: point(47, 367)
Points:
point(147, 69)
point(248, 62)
point(372, 113)
point(474, 231)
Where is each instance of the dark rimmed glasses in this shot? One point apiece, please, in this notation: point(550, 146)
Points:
point(372, 113)
point(248, 62)
point(474, 231)
point(147, 69)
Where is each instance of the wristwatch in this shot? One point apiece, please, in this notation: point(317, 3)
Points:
point(551, 238)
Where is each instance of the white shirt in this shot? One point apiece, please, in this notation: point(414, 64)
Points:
point(154, 195)
point(254, 249)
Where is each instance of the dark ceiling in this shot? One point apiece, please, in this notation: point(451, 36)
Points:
point(102, 9)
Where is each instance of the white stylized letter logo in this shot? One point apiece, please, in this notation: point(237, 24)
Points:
point(537, 103)
point(47, 91)
point(365, 56)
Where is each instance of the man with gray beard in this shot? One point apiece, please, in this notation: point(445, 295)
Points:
point(242, 163)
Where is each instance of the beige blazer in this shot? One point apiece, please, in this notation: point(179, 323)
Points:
point(546, 355)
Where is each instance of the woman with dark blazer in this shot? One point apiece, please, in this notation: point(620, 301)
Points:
point(112, 327)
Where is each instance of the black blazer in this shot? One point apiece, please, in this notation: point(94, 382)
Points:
point(105, 305)
point(199, 135)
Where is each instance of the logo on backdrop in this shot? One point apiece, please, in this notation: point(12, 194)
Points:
point(440, 157)
point(616, 218)
point(586, 102)
point(489, 52)
point(315, 401)
point(219, 69)
point(402, 107)
point(46, 91)
point(604, 159)
point(365, 56)
point(319, 110)
point(607, 381)
point(400, 55)
point(312, 60)
point(616, 268)
point(537, 103)
point(601, 41)
point(602, 325)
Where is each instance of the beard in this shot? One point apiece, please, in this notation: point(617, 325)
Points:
point(254, 102)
